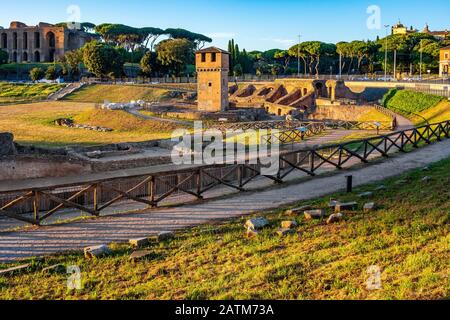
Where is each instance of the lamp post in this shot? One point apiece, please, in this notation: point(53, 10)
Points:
point(298, 55)
point(421, 59)
point(386, 52)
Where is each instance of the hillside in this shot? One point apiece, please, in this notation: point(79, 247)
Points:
point(407, 238)
point(35, 124)
point(410, 103)
point(117, 93)
point(26, 92)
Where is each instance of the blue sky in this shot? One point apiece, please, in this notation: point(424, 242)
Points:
point(254, 24)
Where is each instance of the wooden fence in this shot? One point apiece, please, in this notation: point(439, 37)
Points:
point(154, 187)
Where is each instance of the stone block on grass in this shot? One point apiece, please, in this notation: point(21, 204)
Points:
point(298, 211)
point(141, 255)
point(14, 270)
point(314, 214)
point(165, 236)
point(139, 242)
point(349, 206)
point(289, 224)
point(368, 207)
point(334, 218)
point(257, 223)
point(96, 251)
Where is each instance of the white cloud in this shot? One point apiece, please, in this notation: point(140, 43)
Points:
point(284, 42)
point(221, 35)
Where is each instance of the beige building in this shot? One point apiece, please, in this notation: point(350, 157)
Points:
point(440, 35)
point(444, 63)
point(399, 28)
point(212, 66)
point(42, 43)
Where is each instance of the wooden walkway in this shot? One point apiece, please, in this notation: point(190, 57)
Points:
point(74, 236)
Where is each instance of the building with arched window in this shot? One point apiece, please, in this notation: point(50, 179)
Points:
point(42, 43)
point(444, 64)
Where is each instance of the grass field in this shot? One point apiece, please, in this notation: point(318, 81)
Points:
point(34, 124)
point(410, 103)
point(374, 115)
point(438, 113)
point(26, 92)
point(118, 93)
point(407, 238)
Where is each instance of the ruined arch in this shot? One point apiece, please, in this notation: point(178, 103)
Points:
point(25, 57)
point(15, 56)
point(37, 56)
point(319, 89)
point(4, 41)
point(25, 41)
point(51, 44)
point(15, 40)
point(37, 40)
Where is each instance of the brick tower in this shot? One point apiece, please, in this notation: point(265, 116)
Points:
point(212, 65)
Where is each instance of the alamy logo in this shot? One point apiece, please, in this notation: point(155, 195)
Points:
point(374, 19)
point(74, 279)
point(74, 18)
point(374, 280)
point(216, 147)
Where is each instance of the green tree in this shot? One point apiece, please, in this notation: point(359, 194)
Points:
point(101, 59)
point(36, 74)
point(175, 54)
point(73, 60)
point(51, 73)
point(3, 57)
point(148, 63)
point(237, 70)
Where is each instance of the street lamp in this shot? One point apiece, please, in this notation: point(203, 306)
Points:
point(386, 52)
point(421, 59)
point(298, 55)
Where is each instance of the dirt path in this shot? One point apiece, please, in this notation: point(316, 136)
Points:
point(136, 113)
point(74, 236)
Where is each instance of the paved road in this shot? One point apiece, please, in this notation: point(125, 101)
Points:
point(75, 236)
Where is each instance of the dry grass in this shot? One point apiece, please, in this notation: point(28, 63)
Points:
point(34, 124)
point(438, 113)
point(374, 115)
point(117, 93)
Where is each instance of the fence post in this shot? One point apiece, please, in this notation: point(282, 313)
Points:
point(36, 206)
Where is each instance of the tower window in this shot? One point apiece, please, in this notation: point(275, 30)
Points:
point(213, 57)
point(209, 84)
point(203, 57)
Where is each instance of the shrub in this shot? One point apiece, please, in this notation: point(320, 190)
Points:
point(36, 74)
point(51, 73)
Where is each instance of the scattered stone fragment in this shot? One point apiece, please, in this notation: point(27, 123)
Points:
point(336, 217)
point(139, 243)
point(252, 233)
point(140, 255)
point(289, 224)
point(381, 188)
point(298, 211)
point(333, 203)
point(426, 179)
point(257, 223)
point(14, 270)
point(426, 169)
point(349, 206)
point(96, 251)
point(57, 268)
point(165, 235)
point(314, 214)
point(285, 232)
point(368, 207)
point(366, 195)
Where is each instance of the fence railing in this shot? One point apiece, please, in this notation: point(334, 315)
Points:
point(152, 188)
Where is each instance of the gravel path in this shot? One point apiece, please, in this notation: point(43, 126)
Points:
point(74, 236)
